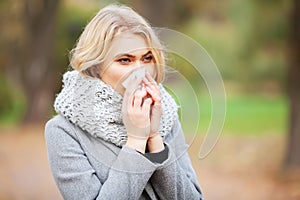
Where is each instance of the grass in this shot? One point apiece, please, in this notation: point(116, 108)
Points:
point(256, 115)
point(247, 115)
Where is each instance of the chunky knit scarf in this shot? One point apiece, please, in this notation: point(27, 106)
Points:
point(95, 107)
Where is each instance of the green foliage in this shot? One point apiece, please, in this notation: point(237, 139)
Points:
point(246, 39)
point(71, 22)
point(11, 103)
point(220, 42)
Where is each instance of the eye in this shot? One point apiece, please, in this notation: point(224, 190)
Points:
point(148, 59)
point(124, 61)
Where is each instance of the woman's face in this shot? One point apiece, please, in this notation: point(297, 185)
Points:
point(128, 52)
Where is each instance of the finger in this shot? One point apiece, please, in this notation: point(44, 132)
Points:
point(157, 105)
point(141, 90)
point(154, 94)
point(150, 78)
point(146, 106)
point(128, 99)
point(150, 82)
point(138, 98)
point(154, 91)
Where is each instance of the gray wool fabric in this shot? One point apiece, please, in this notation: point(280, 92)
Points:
point(86, 167)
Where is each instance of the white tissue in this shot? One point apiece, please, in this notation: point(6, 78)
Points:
point(139, 74)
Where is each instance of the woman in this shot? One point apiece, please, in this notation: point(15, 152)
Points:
point(117, 134)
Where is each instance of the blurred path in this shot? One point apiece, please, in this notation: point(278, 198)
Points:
point(24, 170)
point(245, 168)
point(239, 168)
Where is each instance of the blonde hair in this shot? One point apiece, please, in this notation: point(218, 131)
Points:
point(95, 41)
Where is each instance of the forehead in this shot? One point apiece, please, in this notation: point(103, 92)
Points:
point(128, 43)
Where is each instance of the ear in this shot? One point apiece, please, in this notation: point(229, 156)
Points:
point(96, 71)
point(93, 71)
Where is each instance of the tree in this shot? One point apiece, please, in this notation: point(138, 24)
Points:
point(293, 148)
point(31, 51)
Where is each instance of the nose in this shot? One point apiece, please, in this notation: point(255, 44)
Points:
point(138, 64)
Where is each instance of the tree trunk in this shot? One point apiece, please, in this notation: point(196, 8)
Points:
point(293, 148)
point(35, 55)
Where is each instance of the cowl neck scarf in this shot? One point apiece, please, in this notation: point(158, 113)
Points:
point(95, 107)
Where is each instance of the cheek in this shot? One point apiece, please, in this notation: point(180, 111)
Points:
point(120, 74)
point(112, 75)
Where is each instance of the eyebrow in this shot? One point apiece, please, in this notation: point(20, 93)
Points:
point(132, 56)
point(146, 54)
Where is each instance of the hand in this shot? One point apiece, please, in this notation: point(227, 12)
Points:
point(155, 141)
point(156, 110)
point(136, 115)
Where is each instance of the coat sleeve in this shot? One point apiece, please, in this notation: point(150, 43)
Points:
point(175, 178)
point(76, 178)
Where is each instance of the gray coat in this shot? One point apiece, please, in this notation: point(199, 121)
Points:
point(85, 167)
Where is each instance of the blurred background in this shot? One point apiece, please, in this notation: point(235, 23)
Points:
point(254, 43)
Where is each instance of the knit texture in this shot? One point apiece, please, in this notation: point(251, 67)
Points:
point(95, 107)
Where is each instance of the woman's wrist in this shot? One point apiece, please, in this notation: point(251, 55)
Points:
point(137, 144)
point(155, 144)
